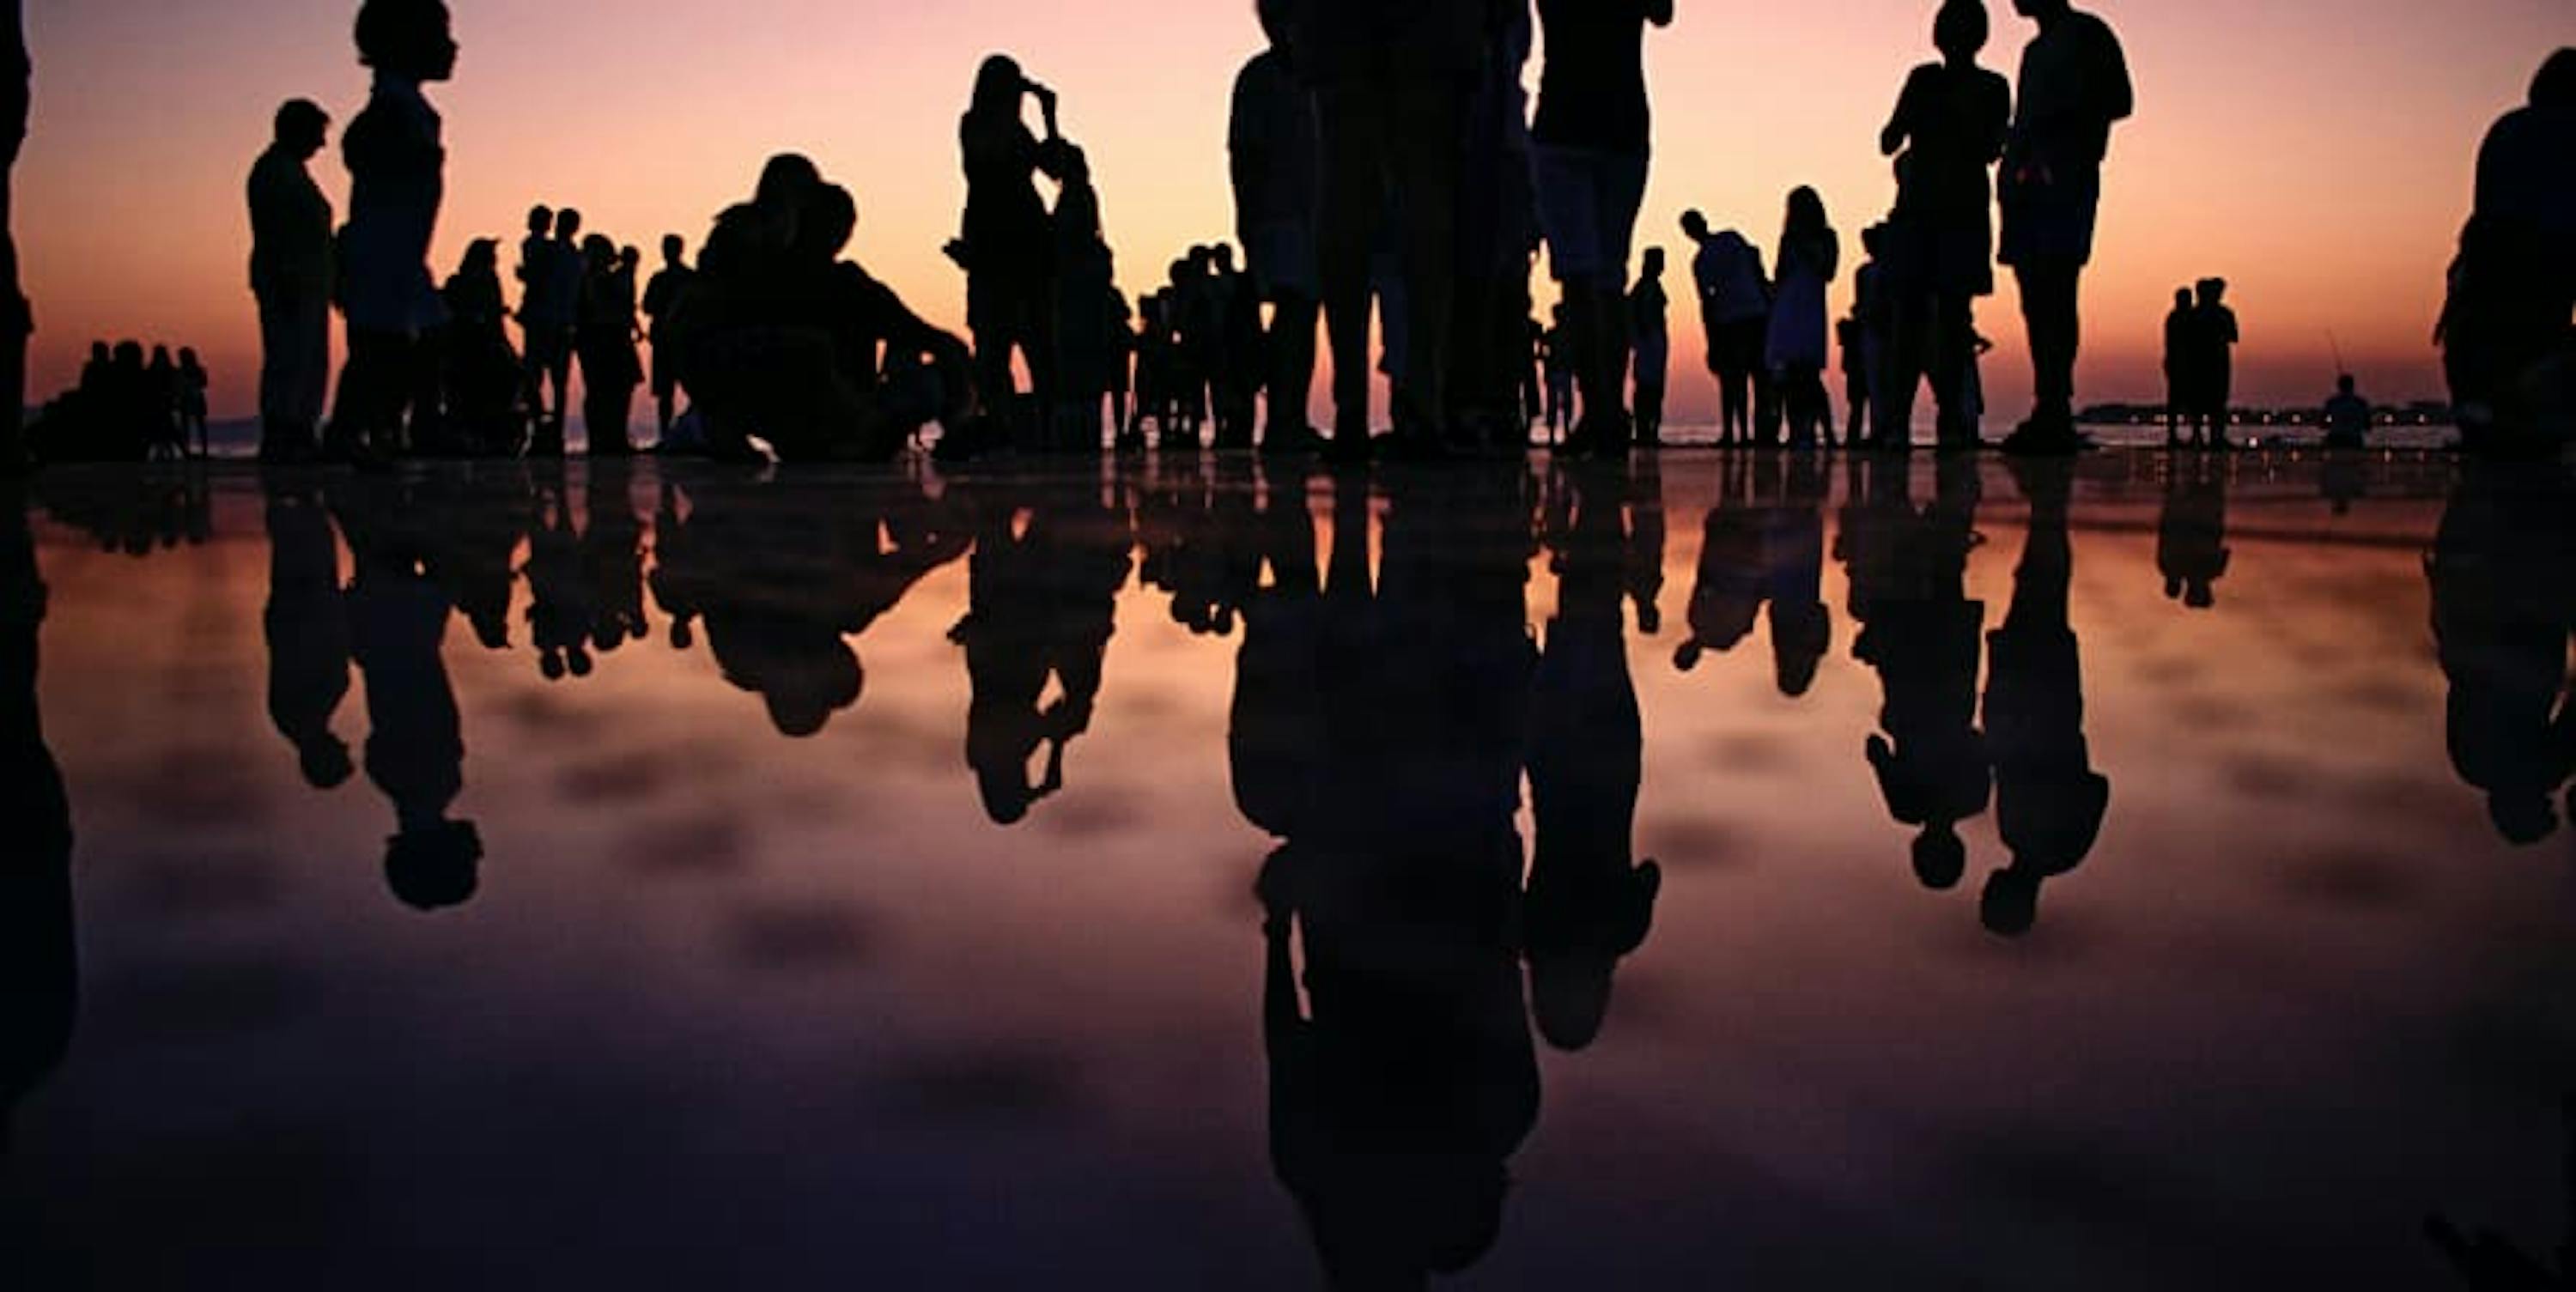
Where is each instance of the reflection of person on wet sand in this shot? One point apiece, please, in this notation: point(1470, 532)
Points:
point(1590, 903)
point(416, 751)
point(2049, 802)
point(1041, 602)
point(1764, 545)
point(2191, 536)
point(2500, 618)
point(1926, 640)
point(1405, 1079)
point(308, 631)
point(39, 971)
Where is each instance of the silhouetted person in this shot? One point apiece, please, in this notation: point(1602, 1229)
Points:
point(483, 377)
point(664, 298)
point(1949, 126)
point(290, 273)
point(2049, 802)
point(2191, 536)
point(1735, 310)
point(1006, 248)
point(545, 317)
point(605, 339)
point(2179, 357)
point(2074, 86)
point(162, 429)
point(1592, 144)
point(550, 314)
point(1086, 276)
point(1275, 147)
point(17, 320)
point(1810, 256)
point(1405, 1079)
point(39, 967)
point(193, 383)
point(1041, 607)
point(415, 750)
point(2500, 621)
point(307, 626)
point(1590, 903)
point(1392, 84)
point(1498, 239)
point(1649, 311)
point(2347, 415)
point(397, 161)
point(786, 340)
point(1926, 640)
point(2505, 334)
point(2213, 336)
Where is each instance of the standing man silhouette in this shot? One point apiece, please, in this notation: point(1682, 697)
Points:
point(1392, 84)
point(290, 273)
point(397, 160)
point(663, 298)
point(17, 321)
point(1275, 148)
point(2074, 86)
point(1593, 139)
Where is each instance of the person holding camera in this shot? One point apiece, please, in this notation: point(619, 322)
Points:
point(1007, 248)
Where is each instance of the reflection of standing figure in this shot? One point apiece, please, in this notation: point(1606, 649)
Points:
point(39, 969)
point(1590, 904)
point(2500, 618)
point(416, 751)
point(1042, 604)
point(2191, 537)
point(1926, 639)
point(2049, 801)
point(1405, 1079)
point(308, 631)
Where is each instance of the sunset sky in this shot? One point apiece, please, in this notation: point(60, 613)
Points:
point(2316, 153)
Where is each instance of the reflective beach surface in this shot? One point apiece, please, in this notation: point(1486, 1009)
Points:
point(1722, 871)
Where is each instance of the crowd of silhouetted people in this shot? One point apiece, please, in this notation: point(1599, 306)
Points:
point(128, 409)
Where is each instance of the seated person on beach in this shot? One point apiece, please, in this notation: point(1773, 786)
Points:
point(783, 337)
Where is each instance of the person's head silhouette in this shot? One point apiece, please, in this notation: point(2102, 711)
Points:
point(325, 762)
point(1806, 215)
point(1940, 858)
point(408, 39)
point(1695, 225)
point(674, 247)
point(568, 226)
point(1960, 30)
point(302, 128)
point(98, 352)
point(2345, 385)
point(435, 867)
point(188, 359)
point(2213, 291)
point(2182, 298)
point(784, 181)
point(598, 253)
point(482, 256)
point(1654, 264)
point(2043, 12)
point(999, 83)
point(628, 259)
point(2010, 905)
point(2554, 88)
point(831, 220)
point(2522, 818)
point(1279, 20)
point(541, 220)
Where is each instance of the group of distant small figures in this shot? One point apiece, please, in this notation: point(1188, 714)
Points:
point(128, 409)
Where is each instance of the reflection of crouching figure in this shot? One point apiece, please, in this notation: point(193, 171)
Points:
point(785, 342)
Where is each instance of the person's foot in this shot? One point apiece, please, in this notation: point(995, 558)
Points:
point(1290, 441)
point(2042, 437)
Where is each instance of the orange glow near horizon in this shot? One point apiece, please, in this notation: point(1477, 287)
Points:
point(2316, 154)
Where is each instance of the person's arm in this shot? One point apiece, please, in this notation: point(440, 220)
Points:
point(1247, 141)
point(2118, 96)
point(1900, 123)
